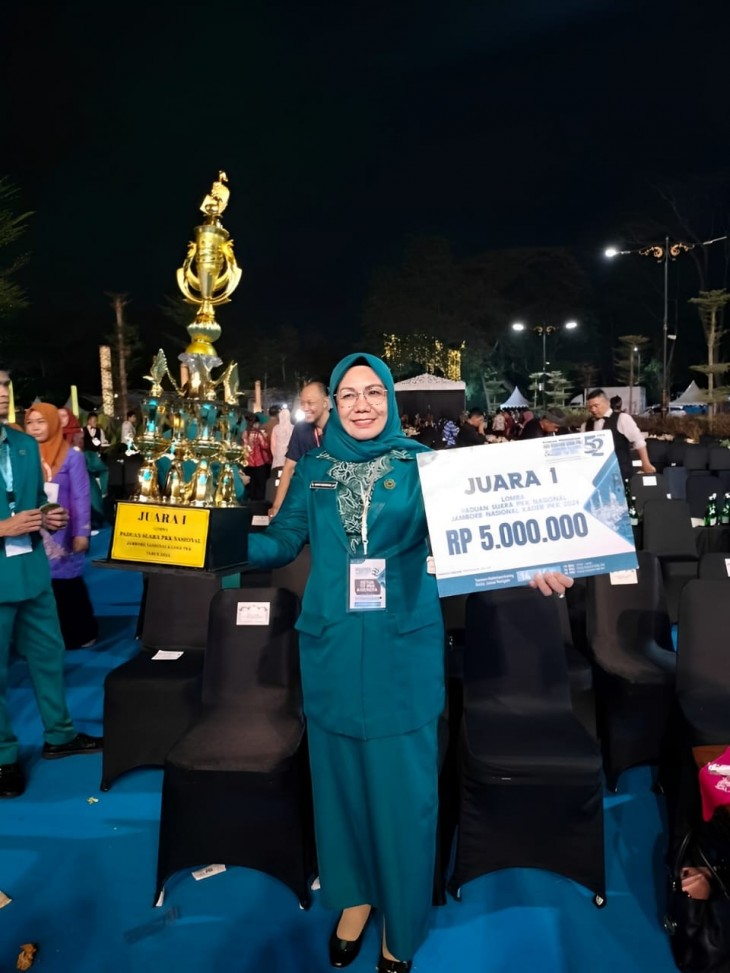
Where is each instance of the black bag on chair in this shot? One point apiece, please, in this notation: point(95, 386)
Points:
point(699, 929)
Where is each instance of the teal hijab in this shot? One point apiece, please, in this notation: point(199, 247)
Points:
point(342, 446)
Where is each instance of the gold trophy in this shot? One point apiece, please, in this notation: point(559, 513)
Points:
point(207, 278)
point(176, 520)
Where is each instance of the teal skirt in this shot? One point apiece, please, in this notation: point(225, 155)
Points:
point(375, 815)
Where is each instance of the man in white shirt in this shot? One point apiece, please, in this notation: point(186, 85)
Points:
point(626, 434)
point(129, 426)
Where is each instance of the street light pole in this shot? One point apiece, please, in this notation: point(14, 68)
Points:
point(544, 330)
point(664, 253)
point(665, 330)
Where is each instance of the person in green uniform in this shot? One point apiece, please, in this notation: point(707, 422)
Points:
point(372, 661)
point(28, 615)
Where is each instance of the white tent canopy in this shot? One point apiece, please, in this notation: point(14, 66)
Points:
point(693, 393)
point(516, 400)
point(429, 383)
point(442, 397)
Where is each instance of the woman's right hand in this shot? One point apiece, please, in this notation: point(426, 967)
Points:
point(24, 522)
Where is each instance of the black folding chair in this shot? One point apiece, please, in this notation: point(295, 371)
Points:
point(698, 488)
point(236, 786)
point(703, 661)
point(531, 788)
point(668, 533)
point(714, 566)
point(631, 641)
point(648, 486)
point(150, 701)
point(695, 456)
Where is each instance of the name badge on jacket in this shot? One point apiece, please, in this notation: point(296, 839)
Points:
point(366, 588)
point(18, 545)
point(322, 485)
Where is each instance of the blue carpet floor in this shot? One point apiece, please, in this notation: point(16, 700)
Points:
point(79, 866)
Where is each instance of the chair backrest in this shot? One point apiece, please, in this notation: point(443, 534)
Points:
point(714, 566)
point(294, 575)
point(703, 647)
point(252, 657)
point(176, 610)
point(514, 653)
point(695, 456)
point(648, 486)
point(675, 452)
point(676, 479)
point(698, 488)
point(628, 624)
point(658, 450)
point(668, 531)
point(719, 458)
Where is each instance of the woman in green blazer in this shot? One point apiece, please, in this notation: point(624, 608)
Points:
point(372, 660)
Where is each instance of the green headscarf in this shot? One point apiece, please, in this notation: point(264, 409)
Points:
point(342, 446)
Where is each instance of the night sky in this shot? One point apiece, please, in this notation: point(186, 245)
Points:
point(344, 129)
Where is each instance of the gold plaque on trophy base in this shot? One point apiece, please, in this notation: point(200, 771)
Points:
point(154, 534)
point(154, 537)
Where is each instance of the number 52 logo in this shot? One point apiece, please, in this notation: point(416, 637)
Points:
point(593, 446)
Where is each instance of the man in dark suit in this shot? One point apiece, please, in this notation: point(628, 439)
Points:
point(549, 424)
point(28, 616)
point(471, 432)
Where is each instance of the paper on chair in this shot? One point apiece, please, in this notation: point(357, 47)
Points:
point(165, 655)
point(624, 577)
point(260, 520)
point(649, 481)
point(207, 872)
point(253, 613)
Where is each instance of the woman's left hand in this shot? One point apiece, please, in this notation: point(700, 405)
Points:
point(551, 583)
point(54, 518)
point(80, 545)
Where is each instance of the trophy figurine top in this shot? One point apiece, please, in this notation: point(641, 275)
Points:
point(217, 199)
point(207, 278)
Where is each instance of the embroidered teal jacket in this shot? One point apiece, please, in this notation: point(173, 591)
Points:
point(25, 575)
point(364, 674)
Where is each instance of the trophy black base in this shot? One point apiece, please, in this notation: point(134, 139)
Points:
point(155, 537)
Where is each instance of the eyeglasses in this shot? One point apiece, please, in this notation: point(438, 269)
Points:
point(374, 395)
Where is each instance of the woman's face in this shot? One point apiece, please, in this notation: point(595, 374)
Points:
point(63, 416)
point(362, 403)
point(36, 426)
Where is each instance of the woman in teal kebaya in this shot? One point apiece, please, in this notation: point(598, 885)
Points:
point(372, 659)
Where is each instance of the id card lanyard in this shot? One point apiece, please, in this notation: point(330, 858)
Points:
point(366, 492)
point(6, 470)
point(13, 545)
point(366, 588)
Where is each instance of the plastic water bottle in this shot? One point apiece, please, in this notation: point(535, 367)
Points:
point(633, 513)
point(711, 511)
point(725, 512)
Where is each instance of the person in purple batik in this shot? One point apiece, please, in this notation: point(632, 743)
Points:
point(66, 483)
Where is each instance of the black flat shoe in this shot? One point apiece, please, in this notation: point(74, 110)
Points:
point(12, 781)
point(345, 951)
point(393, 965)
point(81, 743)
